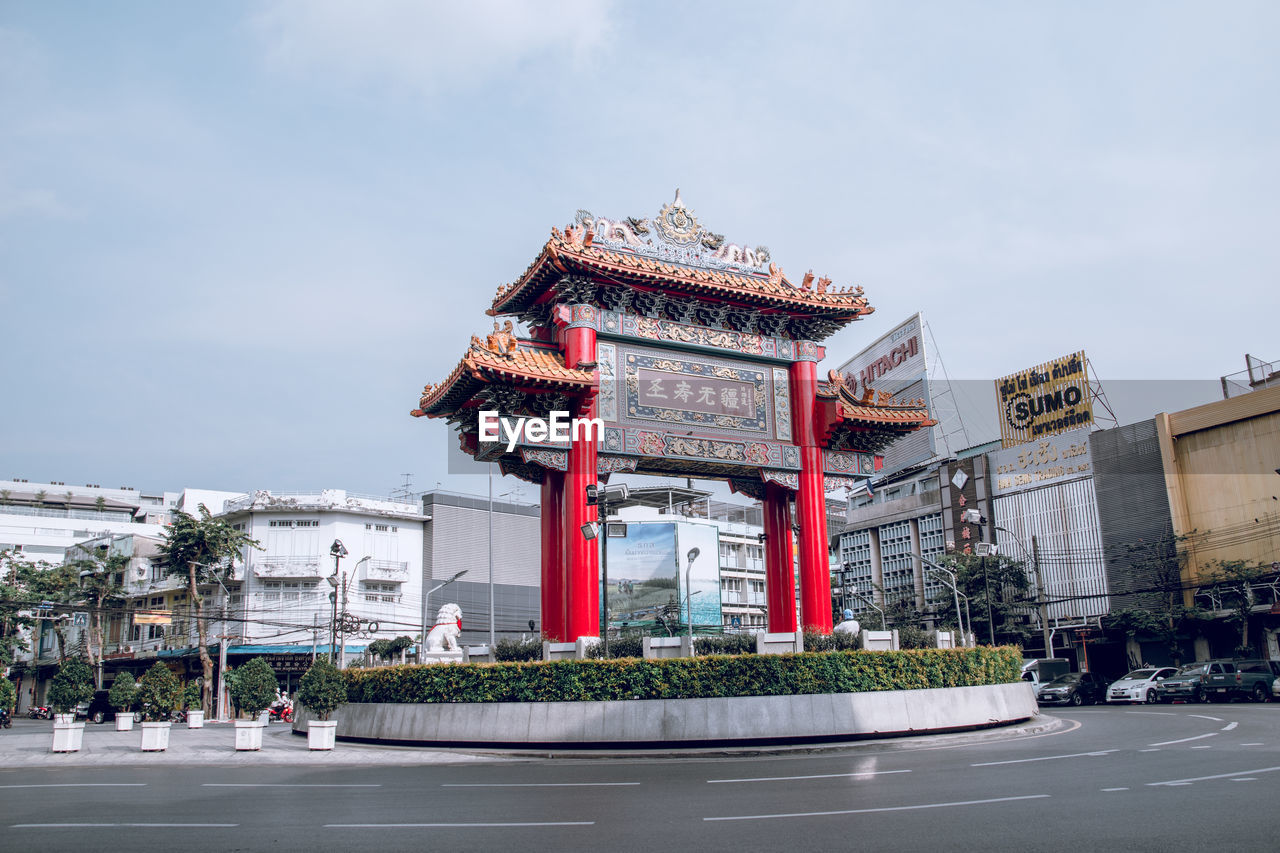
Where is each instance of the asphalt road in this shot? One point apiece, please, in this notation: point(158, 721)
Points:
point(1184, 777)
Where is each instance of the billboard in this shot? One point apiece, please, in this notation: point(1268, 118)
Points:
point(896, 363)
point(1047, 399)
point(646, 586)
point(1046, 462)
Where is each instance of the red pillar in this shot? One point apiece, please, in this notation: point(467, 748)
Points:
point(582, 591)
point(811, 506)
point(780, 579)
point(553, 563)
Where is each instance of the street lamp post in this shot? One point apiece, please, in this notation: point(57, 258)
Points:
point(955, 589)
point(688, 590)
point(1033, 555)
point(338, 551)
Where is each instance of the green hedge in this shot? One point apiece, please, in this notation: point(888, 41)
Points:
point(687, 678)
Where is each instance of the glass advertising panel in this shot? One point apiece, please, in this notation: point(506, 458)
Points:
point(646, 586)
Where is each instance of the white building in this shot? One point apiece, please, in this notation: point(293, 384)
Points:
point(280, 595)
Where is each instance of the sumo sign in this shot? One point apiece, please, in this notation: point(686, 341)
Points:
point(1048, 399)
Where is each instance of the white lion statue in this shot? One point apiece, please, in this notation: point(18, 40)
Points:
point(444, 636)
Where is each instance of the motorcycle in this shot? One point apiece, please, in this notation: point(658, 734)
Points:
point(5, 720)
point(281, 711)
point(40, 712)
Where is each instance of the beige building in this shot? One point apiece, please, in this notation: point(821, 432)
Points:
point(1221, 464)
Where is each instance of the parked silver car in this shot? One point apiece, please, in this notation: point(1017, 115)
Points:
point(1139, 685)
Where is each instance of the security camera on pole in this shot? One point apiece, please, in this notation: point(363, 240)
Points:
point(338, 551)
point(602, 497)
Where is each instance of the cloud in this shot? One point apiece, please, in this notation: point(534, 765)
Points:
point(427, 47)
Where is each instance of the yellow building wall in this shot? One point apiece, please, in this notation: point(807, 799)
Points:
point(1224, 492)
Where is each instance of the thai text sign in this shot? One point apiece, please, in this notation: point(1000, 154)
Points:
point(1048, 399)
point(1041, 463)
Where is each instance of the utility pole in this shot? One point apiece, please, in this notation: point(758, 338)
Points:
point(1044, 605)
point(986, 592)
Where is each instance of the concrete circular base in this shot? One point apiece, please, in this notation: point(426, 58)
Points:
point(646, 723)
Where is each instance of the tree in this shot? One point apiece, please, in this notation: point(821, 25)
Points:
point(201, 549)
point(159, 692)
point(97, 574)
point(1236, 579)
point(40, 496)
point(123, 695)
point(72, 685)
point(253, 686)
point(322, 688)
point(41, 582)
point(996, 589)
point(100, 503)
point(8, 695)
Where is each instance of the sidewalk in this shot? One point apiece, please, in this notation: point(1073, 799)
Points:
point(28, 744)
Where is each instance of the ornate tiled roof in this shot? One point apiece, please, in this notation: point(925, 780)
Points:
point(674, 252)
point(869, 421)
point(501, 359)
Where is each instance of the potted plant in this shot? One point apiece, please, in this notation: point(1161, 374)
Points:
point(123, 696)
point(71, 686)
point(253, 688)
point(191, 700)
point(159, 693)
point(322, 690)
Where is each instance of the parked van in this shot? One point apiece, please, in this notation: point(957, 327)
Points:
point(1040, 671)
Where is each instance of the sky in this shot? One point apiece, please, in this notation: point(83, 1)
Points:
point(238, 238)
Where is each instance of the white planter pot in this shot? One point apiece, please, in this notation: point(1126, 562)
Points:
point(155, 737)
point(321, 734)
point(67, 736)
point(264, 717)
point(195, 719)
point(124, 721)
point(249, 735)
point(64, 718)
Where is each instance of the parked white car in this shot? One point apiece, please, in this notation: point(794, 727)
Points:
point(1139, 685)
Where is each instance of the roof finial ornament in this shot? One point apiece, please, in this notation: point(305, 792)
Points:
point(677, 202)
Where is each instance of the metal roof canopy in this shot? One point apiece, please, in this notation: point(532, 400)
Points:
point(660, 497)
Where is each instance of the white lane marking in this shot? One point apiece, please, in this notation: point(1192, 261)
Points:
point(1184, 739)
point(1207, 778)
point(885, 809)
point(83, 785)
point(1228, 727)
point(1045, 758)
point(455, 825)
point(1206, 717)
point(1154, 713)
point(278, 785)
point(129, 825)
point(1253, 744)
point(1148, 750)
point(822, 776)
point(1202, 747)
point(1114, 789)
point(1245, 779)
point(535, 784)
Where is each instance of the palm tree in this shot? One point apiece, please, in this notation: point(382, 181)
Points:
point(201, 549)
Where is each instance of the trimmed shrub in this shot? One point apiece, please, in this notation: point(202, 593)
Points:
point(159, 693)
point(687, 678)
point(726, 644)
point(831, 642)
point(516, 650)
point(253, 686)
point(8, 694)
point(322, 688)
point(72, 685)
point(123, 694)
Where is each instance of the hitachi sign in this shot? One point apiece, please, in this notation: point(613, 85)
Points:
point(889, 361)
